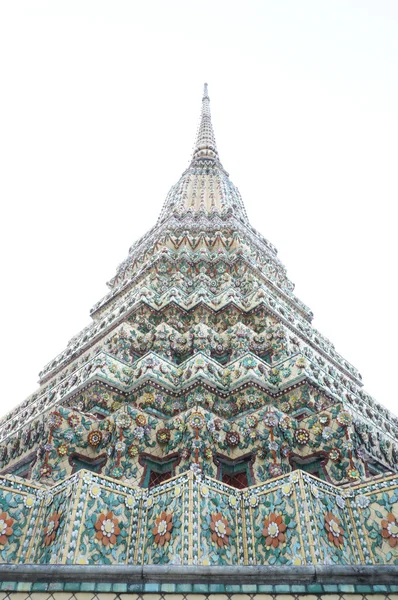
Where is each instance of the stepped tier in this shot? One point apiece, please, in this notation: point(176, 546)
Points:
point(200, 419)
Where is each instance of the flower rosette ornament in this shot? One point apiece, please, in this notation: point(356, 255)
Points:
point(275, 470)
point(232, 438)
point(94, 438)
point(45, 470)
point(54, 420)
point(107, 529)
point(73, 420)
point(6, 523)
point(220, 530)
point(123, 420)
point(208, 453)
point(62, 450)
point(50, 531)
point(344, 418)
point(252, 421)
point(163, 436)
point(140, 420)
point(324, 419)
point(389, 530)
point(301, 362)
point(197, 420)
point(133, 450)
point(302, 436)
point(274, 530)
point(271, 419)
point(185, 453)
point(334, 530)
point(334, 455)
point(285, 423)
point(163, 528)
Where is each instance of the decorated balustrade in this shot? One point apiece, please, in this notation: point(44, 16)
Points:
point(193, 519)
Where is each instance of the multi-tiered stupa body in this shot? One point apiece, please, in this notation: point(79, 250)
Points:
point(200, 419)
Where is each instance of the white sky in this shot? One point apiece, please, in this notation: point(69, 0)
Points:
point(99, 105)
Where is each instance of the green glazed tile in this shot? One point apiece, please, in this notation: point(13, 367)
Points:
point(152, 587)
point(39, 587)
point(119, 587)
point(232, 588)
point(297, 589)
point(22, 586)
point(347, 588)
point(184, 587)
point(315, 588)
point(87, 586)
point(135, 587)
point(364, 589)
point(201, 588)
point(268, 589)
point(72, 587)
point(249, 588)
point(217, 587)
point(103, 587)
point(168, 587)
point(282, 589)
point(55, 586)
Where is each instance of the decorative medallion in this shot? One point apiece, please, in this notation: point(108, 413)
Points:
point(232, 438)
point(390, 530)
point(274, 530)
point(334, 530)
point(50, 531)
point(163, 528)
point(163, 436)
point(220, 530)
point(94, 438)
point(107, 529)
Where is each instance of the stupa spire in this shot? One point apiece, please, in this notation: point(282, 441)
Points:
point(205, 147)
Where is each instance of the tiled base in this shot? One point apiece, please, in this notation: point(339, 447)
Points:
point(39, 591)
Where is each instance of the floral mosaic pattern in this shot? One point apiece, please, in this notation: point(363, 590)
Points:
point(192, 519)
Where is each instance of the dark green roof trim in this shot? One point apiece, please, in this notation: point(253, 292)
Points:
point(168, 574)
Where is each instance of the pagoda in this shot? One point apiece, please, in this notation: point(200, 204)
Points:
point(199, 436)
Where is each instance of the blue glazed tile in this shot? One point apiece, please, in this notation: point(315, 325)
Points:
point(184, 587)
point(103, 587)
point(87, 587)
point(168, 587)
point(135, 587)
point(232, 588)
point(315, 588)
point(152, 587)
point(119, 587)
point(201, 588)
point(39, 587)
point(55, 586)
point(297, 589)
point(347, 588)
point(72, 587)
point(217, 587)
point(22, 586)
point(249, 588)
point(268, 589)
